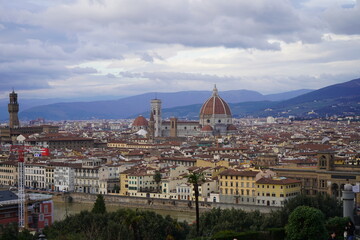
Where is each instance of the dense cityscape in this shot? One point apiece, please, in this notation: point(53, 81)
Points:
point(179, 120)
point(249, 164)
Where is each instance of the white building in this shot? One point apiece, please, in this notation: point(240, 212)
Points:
point(86, 180)
point(64, 177)
point(35, 175)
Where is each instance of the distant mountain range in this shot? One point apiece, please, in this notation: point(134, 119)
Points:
point(132, 106)
point(338, 99)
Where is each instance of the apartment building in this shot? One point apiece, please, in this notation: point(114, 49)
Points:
point(275, 191)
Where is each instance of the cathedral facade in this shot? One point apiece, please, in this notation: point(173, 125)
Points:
point(214, 119)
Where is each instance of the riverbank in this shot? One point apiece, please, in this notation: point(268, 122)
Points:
point(157, 204)
point(62, 209)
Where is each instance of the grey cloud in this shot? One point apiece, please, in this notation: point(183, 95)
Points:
point(344, 20)
point(109, 75)
point(175, 76)
point(146, 57)
point(29, 74)
point(33, 49)
point(243, 24)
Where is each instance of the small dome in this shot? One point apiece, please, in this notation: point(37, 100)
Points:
point(140, 121)
point(206, 128)
point(231, 128)
point(215, 105)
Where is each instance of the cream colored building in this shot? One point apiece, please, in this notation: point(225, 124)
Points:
point(275, 191)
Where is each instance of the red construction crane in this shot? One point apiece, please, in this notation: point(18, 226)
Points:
point(21, 149)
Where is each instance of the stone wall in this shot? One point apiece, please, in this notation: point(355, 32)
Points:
point(156, 203)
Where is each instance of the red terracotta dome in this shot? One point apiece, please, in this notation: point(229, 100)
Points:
point(140, 121)
point(215, 105)
point(231, 128)
point(206, 128)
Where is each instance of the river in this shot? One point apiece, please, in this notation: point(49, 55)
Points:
point(61, 209)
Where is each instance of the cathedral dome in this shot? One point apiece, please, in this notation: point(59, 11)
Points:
point(215, 105)
point(140, 121)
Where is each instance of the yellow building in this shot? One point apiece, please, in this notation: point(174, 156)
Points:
point(124, 183)
point(8, 173)
point(212, 164)
point(237, 186)
point(274, 191)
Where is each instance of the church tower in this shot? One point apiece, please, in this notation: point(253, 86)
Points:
point(13, 108)
point(151, 127)
point(156, 111)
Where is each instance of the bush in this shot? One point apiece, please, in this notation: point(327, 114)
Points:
point(306, 223)
point(336, 224)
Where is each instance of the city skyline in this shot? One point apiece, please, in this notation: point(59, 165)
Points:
point(74, 49)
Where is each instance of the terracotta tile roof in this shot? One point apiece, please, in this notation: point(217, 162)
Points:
point(277, 181)
point(232, 172)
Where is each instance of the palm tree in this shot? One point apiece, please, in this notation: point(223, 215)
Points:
point(132, 220)
point(157, 179)
point(196, 179)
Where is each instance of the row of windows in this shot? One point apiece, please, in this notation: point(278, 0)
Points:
point(281, 187)
point(280, 195)
point(237, 177)
point(237, 192)
point(85, 171)
point(38, 178)
point(30, 171)
point(6, 176)
point(184, 190)
point(242, 184)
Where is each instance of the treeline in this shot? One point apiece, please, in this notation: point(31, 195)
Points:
point(122, 224)
point(214, 224)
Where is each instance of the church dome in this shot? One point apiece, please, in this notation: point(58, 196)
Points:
point(215, 105)
point(140, 121)
point(206, 128)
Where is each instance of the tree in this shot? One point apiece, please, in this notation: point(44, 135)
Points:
point(306, 223)
point(329, 206)
point(157, 179)
point(196, 179)
point(99, 205)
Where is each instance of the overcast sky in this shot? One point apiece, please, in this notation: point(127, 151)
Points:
point(87, 48)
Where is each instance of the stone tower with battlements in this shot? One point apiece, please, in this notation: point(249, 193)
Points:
point(13, 108)
point(156, 112)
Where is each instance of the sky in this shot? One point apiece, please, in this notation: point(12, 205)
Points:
point(99, 48)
